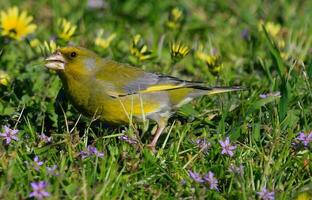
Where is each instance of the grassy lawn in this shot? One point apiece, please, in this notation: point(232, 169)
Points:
point(250, 144)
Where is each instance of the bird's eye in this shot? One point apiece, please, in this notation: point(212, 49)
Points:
point(73, 54)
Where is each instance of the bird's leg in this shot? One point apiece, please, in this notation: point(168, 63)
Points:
point(161, 125)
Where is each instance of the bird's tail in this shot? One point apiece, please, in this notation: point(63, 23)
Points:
point(202, 90)
point(217, 90)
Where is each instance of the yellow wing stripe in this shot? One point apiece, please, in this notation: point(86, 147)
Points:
point(157, 88)
point(222, 90)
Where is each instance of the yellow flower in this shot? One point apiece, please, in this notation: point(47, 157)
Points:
point(45, 47)
point(4, 78)
point(212, 61)
point(178, 51)
point(104, 42)
point(275, 31)
point(272, 28)
point(176, 14)
point(304, 196)
point(16, 25)
point(175, 18)
point(50, 46)
point(138, 49)
point(67, 29)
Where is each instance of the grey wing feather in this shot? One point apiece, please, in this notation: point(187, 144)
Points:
point(153, 79)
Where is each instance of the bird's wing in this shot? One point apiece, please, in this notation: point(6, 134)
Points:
point(122, 80)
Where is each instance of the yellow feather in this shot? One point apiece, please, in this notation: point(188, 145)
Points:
point(157, 88)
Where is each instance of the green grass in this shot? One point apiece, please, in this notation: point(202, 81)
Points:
point(263, 129)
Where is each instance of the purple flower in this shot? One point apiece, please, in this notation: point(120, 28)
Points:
point(9, 134)
point(183, 182)
point(91, 151)
point(195, 176)
point(45, 138)
point(95, 152)
point(272, 94)
point(203, 144)
point(226, 147)
point(305, 138)
point(263, 96)
point(265, 194)
point(127, 139)
point(245, 34)
point(39, 190)
point(84, 154)
point(37, 163)
point(211, 180)
point(52, 170)
point(94, 4)
point(236, 169)
point(214, 51)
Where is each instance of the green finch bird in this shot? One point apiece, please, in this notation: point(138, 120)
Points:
point(117, 93)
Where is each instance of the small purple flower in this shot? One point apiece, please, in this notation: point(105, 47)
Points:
point(305, 139)
point(272, 94)
point(236, 169)
point(226, 147)
point(9, 134)
point(95, 152)
point(211, 180)
point(94, 4)
point(39, 190)
point(195, 176)
point(45, 138)
point(263, 96)
point(265, 194)
point(37, 163)
point(214, 51)
point(91, 151)
point(127, 139)
point(203, 144)
point(84, 154)
point(245, 34)
point(183, 182)
point(52, 170)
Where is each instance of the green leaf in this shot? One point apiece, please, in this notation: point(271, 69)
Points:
point(275, 54)
point(256, 131)
point(187, 111)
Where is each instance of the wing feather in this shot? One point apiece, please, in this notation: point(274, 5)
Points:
point(128, 80)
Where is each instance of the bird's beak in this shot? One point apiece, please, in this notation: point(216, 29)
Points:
point(56, 61)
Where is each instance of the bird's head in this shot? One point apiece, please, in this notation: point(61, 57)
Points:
point(72, 59)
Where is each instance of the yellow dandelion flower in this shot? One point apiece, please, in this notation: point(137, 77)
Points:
point(275, 30)
point(50, 46)
point(66, 29)
point(138, 49)
point(200, 54)
point(176, 14)
point(304, 196)
point(212, 61)
point(215, 68)
point(104, 42)
point(272, 28)
point(4, 78)
point(175, 18)
point(16, 25)
point(178, 51)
